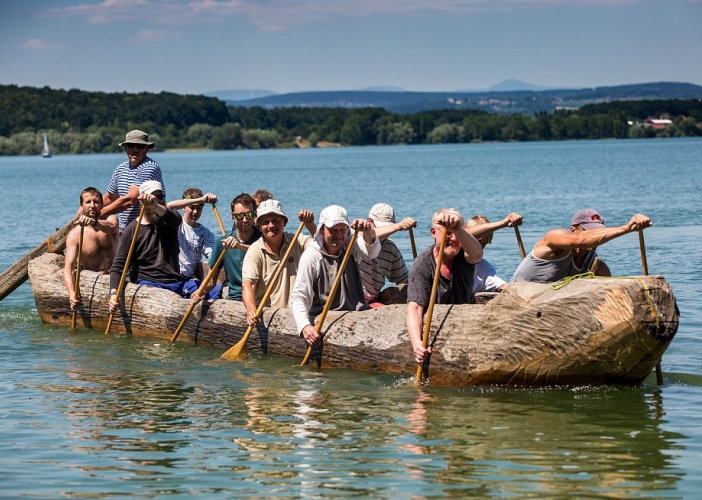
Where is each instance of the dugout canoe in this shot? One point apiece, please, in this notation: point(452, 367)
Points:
point(591, 331)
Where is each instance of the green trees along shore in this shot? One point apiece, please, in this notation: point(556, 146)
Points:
point(94, 122)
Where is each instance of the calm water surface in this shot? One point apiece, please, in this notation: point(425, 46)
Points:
point(84, 415)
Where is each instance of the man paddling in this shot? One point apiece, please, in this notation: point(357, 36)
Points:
point(154, 261)
point(318, 268)
point(123, 190)
point(562, 253)
point(263, 258)
point(389, 264)
point(99, 241)
point(461, 253)
point(237, 242)
point(485, 278)
point(195, 240)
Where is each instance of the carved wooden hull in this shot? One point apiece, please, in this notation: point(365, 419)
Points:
point(592, 331)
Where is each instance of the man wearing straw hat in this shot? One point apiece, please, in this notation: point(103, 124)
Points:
point(319, 265)
point(562, 253)
point(389, 264)
point(264, 256)
point(123, 190)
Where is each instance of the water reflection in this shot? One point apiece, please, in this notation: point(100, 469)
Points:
point(167, 420)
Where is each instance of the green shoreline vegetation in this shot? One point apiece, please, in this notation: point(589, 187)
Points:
point(78, 121)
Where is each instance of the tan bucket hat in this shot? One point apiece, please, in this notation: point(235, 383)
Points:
point(137, 137)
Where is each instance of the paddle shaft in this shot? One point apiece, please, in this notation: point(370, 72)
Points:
point(200, 290)
point(123, 278)
point(219, 219)
point(519, 241)
point(432, 302)
point(236, 350)
point(644, 267)
point(76, 283)
point(335, 286)
point(414, 247)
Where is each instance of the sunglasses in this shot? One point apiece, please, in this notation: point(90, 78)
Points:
point(135, 146)
point(197, 205)
point(248, 215)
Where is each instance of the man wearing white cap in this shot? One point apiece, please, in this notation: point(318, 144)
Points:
point(122, 191)
point(318, 268)
point(389, 264)
point(263, 258)
point(154, 259)
point(562, 253)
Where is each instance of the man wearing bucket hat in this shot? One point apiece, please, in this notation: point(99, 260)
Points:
point(318, 268)
point(389, 264)
point(263, 258)
point(122, 191)
point(562, 253)
point(154, 259)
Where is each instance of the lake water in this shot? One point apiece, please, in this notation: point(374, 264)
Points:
point(88, 415)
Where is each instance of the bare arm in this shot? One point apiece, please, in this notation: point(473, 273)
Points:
point(559, 242)
point(403, 225)
point(513, 219)
point(249, 298)
point(307, 217)
point(70, 259)
point(414, 328)
point(114, 204)
point(179, 204)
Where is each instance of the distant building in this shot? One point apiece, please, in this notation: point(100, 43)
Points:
point(658, 122)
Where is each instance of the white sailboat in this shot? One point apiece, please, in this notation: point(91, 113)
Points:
point(46, 153)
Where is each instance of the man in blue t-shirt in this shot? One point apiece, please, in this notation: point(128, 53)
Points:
point(122, 196)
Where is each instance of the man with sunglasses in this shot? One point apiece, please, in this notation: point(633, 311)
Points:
point(562, 253)
point(461, 252)
point(154, 260)
point(123, 190)
point(195, 240)
point(237, 242)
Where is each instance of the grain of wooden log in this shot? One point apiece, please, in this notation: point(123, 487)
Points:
point(592, 331)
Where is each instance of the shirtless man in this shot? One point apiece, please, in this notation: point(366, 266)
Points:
point(99, 241)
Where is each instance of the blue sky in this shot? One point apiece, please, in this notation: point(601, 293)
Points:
point(196, 46)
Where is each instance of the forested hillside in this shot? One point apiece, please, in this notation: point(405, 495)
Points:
point(85, 122)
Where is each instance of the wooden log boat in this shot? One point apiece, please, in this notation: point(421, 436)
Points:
point(591, 331)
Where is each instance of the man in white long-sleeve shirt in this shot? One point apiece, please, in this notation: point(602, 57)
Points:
point(318, 269)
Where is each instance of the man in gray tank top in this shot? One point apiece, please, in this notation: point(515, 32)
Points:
point(562, 253)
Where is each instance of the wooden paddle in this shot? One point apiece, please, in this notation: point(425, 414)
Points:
point(219, 219)
point(519, 241)
point(644, 266)
point(432, 302)
point(12, 277)
point(414, 248)
point(123, 278)
point(76, 284)
point(238, 350)
point(335, 286)
point(200, 290)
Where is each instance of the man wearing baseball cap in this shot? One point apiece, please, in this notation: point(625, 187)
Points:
point(562, 253)
point(122, 191)
point(318, 268)
point(264, 256)
point(156, 251)
point(389, 264)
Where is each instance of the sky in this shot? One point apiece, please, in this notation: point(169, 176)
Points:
point(196, 46)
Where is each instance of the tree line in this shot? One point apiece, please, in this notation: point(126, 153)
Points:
point(91, 122)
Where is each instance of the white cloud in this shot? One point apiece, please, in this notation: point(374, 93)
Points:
point(270, 15)
point(156, 35)
point(36, 44)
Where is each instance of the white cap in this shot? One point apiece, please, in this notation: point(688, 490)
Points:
point(270, 207)
point(150, 187)
point(382, 214)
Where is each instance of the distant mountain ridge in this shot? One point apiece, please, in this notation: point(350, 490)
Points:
point(493, 101)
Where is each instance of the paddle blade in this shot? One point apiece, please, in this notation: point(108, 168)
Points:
point(238, 350)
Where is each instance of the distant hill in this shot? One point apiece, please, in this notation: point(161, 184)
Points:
point(239, 94)
point(512, 85)
point(500, 102)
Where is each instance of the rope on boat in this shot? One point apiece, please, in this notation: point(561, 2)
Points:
point(49, 245)
point(589, 275)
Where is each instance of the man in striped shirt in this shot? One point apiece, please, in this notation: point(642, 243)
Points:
point(389, 263)
point(122, 196)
